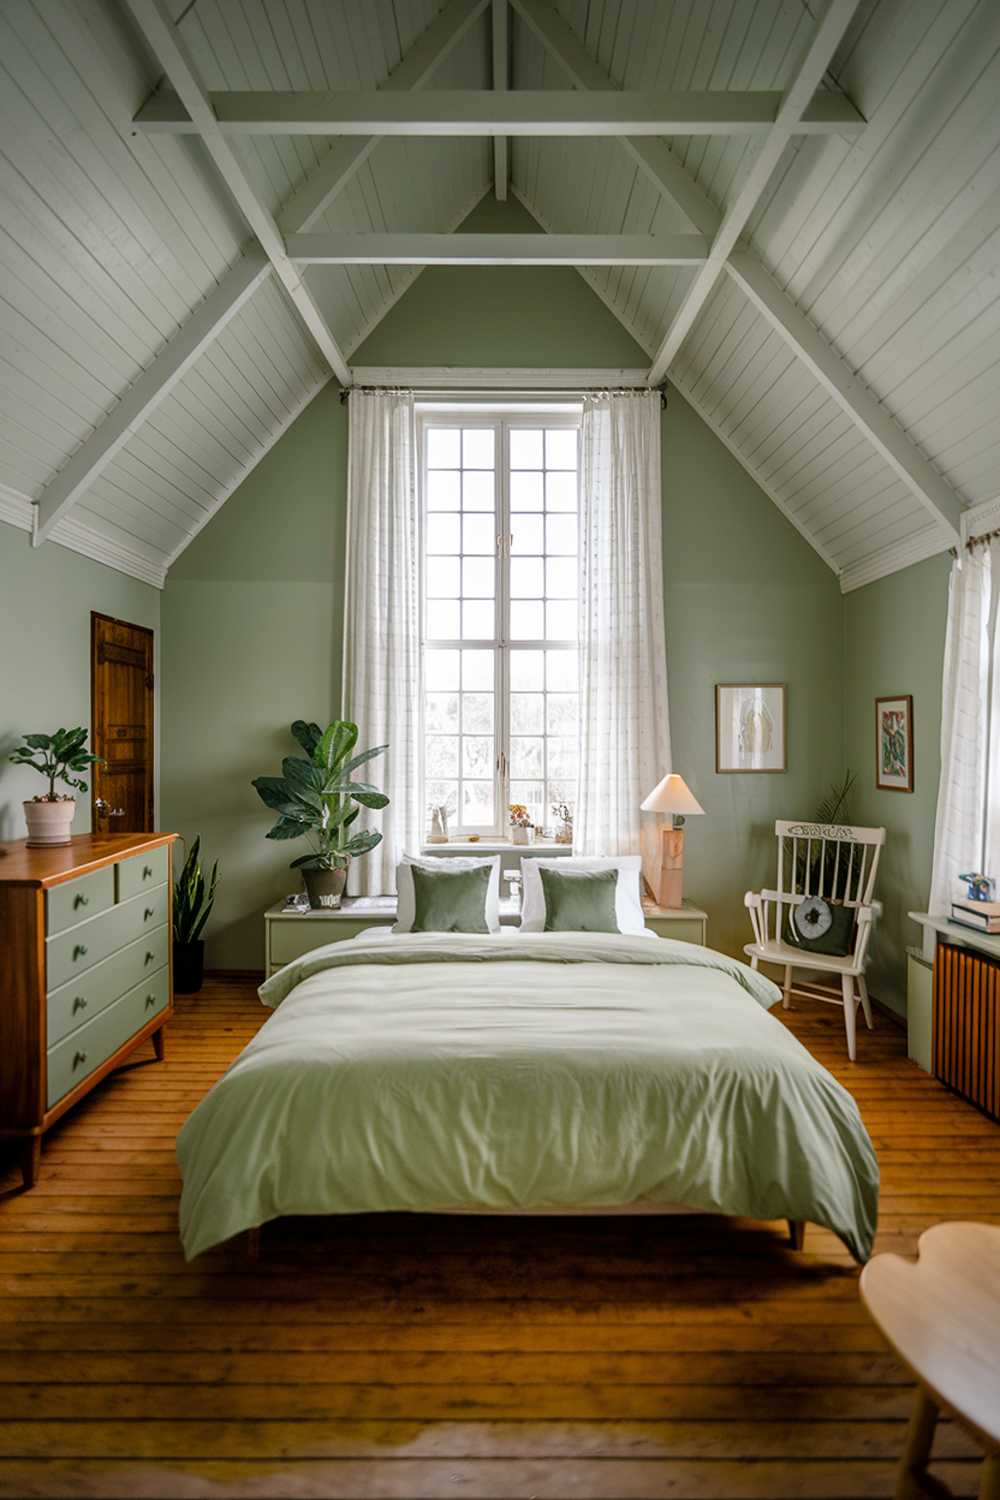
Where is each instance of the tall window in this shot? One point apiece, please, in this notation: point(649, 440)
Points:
point(500, 515)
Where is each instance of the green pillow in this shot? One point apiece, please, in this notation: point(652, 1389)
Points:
point(838, 939)
point(583, 902)
point(450, 900)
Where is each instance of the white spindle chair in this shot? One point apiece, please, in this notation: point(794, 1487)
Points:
point(846, 876)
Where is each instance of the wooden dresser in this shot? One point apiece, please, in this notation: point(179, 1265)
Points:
point(85, 971)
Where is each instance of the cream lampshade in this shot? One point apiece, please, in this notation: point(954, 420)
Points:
point(673, 796)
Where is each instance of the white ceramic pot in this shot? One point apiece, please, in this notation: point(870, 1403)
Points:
point(519, 835)
point(49, 822)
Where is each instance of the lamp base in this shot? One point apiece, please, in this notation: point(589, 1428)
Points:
point(670, 882)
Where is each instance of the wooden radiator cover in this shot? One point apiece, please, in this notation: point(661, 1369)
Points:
point(967, 1025)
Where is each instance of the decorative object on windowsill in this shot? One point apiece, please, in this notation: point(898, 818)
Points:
point(514, 879)
point(50, 815)
point(983, 915)
point(672, 796)
point(193, 901)
point(316, 798)
point(750, 723)
point(439, 824)
point(979, 887)
point(564, 833)
point(520, 823)
point(894, 744)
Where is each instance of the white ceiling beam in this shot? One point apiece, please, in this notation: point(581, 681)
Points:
point(151, 388)
point(301, 210)
point(795, 103)
point(501, 68)
point(161, 34)
point(478, 112)
point(496, 249)
point(851, 395)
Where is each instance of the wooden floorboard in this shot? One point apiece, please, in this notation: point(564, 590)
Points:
point(694, 1359)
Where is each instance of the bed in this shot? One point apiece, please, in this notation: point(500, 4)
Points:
point(530, 1073)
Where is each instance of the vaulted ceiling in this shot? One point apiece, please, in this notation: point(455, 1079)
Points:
point(840, 331)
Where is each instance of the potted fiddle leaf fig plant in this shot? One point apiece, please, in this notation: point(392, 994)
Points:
point(193, 901)
point(315, 798)
point(49, 816)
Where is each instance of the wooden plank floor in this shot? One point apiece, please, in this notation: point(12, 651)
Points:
point(410, 1357)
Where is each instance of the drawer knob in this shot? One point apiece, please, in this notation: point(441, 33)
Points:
point(80, 900)
point(150, 1000)
point(147, 871)
point(79, 951)
point(79, 1003)
point(149, 958)
point(78, 1058)
point(149, 912)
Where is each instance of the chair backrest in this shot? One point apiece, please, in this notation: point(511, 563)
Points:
point(833, 860)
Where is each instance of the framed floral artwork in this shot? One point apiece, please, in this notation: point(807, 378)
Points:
point(750, 726)
point(894, 744)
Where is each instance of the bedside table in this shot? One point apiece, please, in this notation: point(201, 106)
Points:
point(688, 923)
point(289, 934)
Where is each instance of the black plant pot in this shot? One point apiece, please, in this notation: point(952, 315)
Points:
point(189, 967)
point(325, 887)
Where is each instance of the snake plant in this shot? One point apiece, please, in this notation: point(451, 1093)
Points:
point(193, 900)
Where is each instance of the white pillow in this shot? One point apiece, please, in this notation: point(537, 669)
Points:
point(628, 903)
point(406, 906)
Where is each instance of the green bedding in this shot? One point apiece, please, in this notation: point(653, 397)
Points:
point(523, 1072)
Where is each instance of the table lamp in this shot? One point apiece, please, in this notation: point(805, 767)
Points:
point(672, 796)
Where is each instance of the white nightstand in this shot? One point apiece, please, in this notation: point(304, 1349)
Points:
point(687, 923)
point(288, 935)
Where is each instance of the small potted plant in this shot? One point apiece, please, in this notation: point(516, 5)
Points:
point(520, 823)
point(315, 798)
point(193, 901)
point(50, 815)
point(564, 813)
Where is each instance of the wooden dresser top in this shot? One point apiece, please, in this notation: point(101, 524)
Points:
point(20, 865)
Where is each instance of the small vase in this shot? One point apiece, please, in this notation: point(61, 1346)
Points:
point(519, 835)
point(189, 967)
point(49, 822)
point(325, 888)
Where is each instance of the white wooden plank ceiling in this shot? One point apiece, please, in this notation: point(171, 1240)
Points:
point(840, 333)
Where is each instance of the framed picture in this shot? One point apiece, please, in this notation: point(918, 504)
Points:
point(894, 744)
point(750, 726)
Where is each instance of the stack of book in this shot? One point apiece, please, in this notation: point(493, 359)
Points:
point(984, 916)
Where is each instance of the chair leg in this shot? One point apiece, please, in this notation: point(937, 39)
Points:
point(786, 999)
point(850, 1005)
point(866, 1004)
point(912, 1471)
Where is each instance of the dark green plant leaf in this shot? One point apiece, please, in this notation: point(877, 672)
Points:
point(286, 828)
point(274, 792)
point(371, 799)
point(361, 843)
point(308, 736)
point(337, 742)
point(360, 760)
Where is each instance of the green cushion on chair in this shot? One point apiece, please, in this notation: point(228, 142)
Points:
point(838, 938)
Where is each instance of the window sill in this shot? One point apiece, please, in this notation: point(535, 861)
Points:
point(496, 846)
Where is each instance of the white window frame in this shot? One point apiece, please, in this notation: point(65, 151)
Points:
point(502, 420)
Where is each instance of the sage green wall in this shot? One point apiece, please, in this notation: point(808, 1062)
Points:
point(252, 609)
point(894, 644)
point(46, 596)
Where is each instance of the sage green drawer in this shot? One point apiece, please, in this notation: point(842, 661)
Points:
point(74, 1059)
point(141, 872)
point(79, 900)
point(295, 936)
point(681, 929)
point(73, 1004)
point(72, 952)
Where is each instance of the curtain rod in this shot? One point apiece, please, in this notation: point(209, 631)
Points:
point(520, 390)
point(972, 542)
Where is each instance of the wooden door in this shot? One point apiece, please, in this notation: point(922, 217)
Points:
point(121, 692)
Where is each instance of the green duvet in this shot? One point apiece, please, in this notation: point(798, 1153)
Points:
point(523, 1072)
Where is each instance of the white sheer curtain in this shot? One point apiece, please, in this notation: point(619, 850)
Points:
point(381, 622)
point(967, 828)
point(624, 723)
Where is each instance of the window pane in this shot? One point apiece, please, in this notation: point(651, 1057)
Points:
point(477, 448)
point(560, 534)
point(441, 713)
point(525, 755)
point(477, 671)
point(562, 620)
point(526, 534)
point(561, 752)
point(477, 490)
point(479, 534)
point(527, 671)
point(526, 713)
point(560, 491)
point(478, 577)
point(560, 578)
point(526, 578)
point(477, 713)
point(525, 448)
point(560, 447)
point(443, 448)
point(477, 802)
point(442, 619)
point(561, 713)
point(442, 755)
point(560, 792)
point(478, 620)
point(446, 792)
point(561, 670)
point(444, 489)
point(443, 578)
point(526, 492)
point(531, 793)
point(527, 620)
point(443, 533)
point(441, 671)
point(477, 755)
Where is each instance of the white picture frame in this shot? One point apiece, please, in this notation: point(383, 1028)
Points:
point(750, 728)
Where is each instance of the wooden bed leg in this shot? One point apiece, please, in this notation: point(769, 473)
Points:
point(797, 1233)
point(253, 1243)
